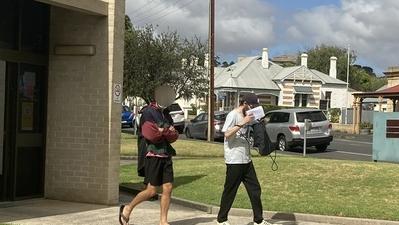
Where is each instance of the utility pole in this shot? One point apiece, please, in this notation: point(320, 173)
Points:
point(211, 46)
point(347, 86)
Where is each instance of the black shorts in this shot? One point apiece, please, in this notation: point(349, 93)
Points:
point(158, 171)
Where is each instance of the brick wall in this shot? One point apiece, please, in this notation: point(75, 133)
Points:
point(288, 96)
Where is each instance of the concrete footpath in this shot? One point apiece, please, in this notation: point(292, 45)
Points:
point(51, 212)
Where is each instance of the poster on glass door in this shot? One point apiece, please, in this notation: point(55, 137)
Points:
point(27, 90)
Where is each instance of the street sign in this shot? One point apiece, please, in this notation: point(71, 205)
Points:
point(386, 136)
point(306, 127)
point(117, 93)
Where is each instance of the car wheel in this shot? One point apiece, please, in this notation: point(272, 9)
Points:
point(321, 148)
point(282, 143)
point(180, 129)
point(187, 133)
point(206, 135)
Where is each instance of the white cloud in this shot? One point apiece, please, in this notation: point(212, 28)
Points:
point(241, 26)
point(371, 27)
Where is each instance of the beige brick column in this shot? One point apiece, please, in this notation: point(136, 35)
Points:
point(83, 122)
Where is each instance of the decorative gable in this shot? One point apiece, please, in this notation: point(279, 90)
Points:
point(302, 74)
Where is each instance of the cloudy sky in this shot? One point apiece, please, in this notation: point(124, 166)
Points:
point(244, 27)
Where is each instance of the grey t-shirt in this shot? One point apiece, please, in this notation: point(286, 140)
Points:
point(236, 148)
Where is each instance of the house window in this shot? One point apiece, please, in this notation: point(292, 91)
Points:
point(304, 100)
point(297, 100)
point(328, 98)
point(301, 100)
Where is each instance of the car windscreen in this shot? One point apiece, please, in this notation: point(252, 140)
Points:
point(314, 116)
point(221, 117)
point(174, 107)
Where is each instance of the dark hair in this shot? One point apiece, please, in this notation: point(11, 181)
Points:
point(250, 99)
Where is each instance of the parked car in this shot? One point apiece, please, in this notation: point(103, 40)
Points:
point(198, 127)
point(177, 115)
point(286, 128)
point(127, 117)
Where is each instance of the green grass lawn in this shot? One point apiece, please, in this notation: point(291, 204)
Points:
point(303, 185)
point(184, 148)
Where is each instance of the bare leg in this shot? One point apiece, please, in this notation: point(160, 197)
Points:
point(165, 202)
point(144, 195)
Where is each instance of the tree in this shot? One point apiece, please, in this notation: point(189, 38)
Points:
point(225, 64)
point(153, 59)
point(319, 59)
point(361, 78)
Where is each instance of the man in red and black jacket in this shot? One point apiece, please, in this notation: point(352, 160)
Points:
point(156, 133)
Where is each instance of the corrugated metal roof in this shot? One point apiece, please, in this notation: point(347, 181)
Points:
point(285, 72)
point(394, 89)
point(382, 88)
point(248, 74)
point(297, 73)
point(327, 79)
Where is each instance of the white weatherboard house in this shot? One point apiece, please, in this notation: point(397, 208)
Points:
point(296, 86)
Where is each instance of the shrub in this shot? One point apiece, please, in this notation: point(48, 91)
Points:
point(335, 113)
point(193, 110)
point(366, 125)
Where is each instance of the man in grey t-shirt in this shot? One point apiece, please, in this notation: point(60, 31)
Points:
point(238, 162)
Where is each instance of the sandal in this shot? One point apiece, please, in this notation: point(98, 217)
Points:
point(122, 219)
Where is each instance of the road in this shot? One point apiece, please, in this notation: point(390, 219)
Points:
point(344, 147)
point(360, 150)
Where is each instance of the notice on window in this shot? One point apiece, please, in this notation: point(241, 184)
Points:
point(257, 112)
point(28, 84)
point(27, 116)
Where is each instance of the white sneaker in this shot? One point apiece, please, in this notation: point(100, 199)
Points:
point(264, 222)
point(223, 223)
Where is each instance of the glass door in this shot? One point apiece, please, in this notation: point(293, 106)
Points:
point(24, 131)
point(30, 131)
point(2, 109)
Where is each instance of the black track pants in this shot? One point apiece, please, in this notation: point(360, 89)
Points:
point(235, 174)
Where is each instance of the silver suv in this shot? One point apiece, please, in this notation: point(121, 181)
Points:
point(286, 128)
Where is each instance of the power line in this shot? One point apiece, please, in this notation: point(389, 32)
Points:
point(165, 14)
point(151, 12)
point(140, 8)
point(155, 13)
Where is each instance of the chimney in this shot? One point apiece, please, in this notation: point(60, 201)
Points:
point(304, 59)
point(265, 58)
point(333, 67)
